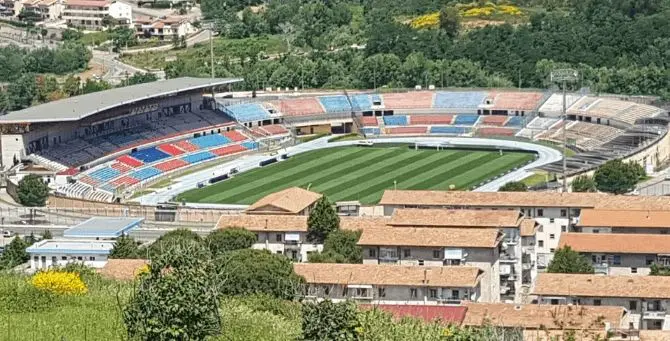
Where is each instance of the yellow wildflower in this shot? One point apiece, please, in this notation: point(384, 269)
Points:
point(59, 282)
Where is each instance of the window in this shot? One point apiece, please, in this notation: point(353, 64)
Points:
point(551, 220)
point(279, 237)
point(454, 294)
point(361, 292)
point(594, 259)
point(406, 253)
point(36, 258)
point(554, 302)
point(596, 231)
point(63, 258)
point(564, 228)
point(279, 252)
point(564, 213)
point(79, 258)
point(91, 258)
point(597, 302)
point(633, 270)
point(372, 252)
point(420, 262)
point(552, 250)
point(649, 260)
point(540, 243)
point(258, 237)
point(540, 212)
point(326, 290)
point(632, 305)
point(552, 236)
point(664, 231)
point(412, 293)
point(433, 293)
point(345, 292)
point(381, 292)
point(616, 260)
point(436, 254)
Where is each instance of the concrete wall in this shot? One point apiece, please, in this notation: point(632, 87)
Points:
point(393, 294)
point(275, 242)
point(43, 261)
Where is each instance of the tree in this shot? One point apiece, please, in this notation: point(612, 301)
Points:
point(72, 85)
point(659, 270)
point(139, 78)
point(583, 183)
point(513, 186)
point(4, 102)
point(568, 261)
point(92, 85)
point(322, 220)
point(23, 92)
point(70, 34)
point(125, 247)
point(328, 321)
point(339, 247)
point(250, 271)
point(47, 234)
point(15, 254)
point(175, 237)
point(617, 177)
point(229, 239)
point(122, 37)
point(177, 299)
point(32, 191)
point(450, 21)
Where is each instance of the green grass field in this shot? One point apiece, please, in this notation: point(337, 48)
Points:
point(361, 173)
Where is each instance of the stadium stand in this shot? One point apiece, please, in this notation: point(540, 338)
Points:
point(170, 149)
point(88, 180)
point(516, 100)
point(400, 120)
point(377, 99)
point(431, 119)
point(299, 106)
point(542, 123)
point(412, 100)
point(274, 129)
point(149, 155)
point(198, 157)
point(638, 111)
point(145, 173)
point(622, 111)
point(186, 146)
point(407, 130)
point(171, 164)
point(104, 174)
point(368, 121)
point(229, 150)
point(121, 167)
point(361, 102)
point(449, 130)
point(370, 131)
point(334, 104)
point(496, 132)
point(515, 121)
point(493, 120)
point(459, 100)
point(554, 104)
point(209, 141)
point(466, 120)
point(234, 136)
point(124, 180)
point(250, 145)
point(247, 112)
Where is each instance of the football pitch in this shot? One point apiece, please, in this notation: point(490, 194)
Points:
point(362, 173)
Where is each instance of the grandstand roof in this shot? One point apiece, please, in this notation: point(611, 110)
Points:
point(79, 107)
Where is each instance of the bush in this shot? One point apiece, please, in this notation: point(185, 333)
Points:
point(32, 191)
point(59, 282)
point(19, 296)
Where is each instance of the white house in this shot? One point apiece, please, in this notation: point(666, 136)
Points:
point(60, 252)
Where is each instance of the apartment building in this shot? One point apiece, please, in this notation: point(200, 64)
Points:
point(619, 253)
point(89, 14)
point(44, 9)
point(624, 221)
point(291, 201)
point(391, 284)
point(646, 298)
point(163, 29)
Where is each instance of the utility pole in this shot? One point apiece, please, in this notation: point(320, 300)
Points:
point(211, 50)
point(563, 76)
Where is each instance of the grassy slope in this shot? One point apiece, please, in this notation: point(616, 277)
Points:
point(359, 173)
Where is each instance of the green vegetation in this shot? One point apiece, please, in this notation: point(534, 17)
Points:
point(15, 254)
point(362, 173)
point(229, 239)
point(347, 137)
point(514, 186)
point(323, 220)
point(312, 137)
point(339, 247)
point(567, 260)
point(32, 191)
point(583, 183)
point(618, 177)
point(537, 178)
point(125, 248)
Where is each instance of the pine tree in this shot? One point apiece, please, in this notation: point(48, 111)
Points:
point(15, 254)
point(322, 220)
point(125, 248)
point(568, 261)
point(47, 234)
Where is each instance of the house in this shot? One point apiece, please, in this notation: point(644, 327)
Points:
point(391, 284)
point(624, 221)
point(646, 298)
point(620, 253)
point(60, 252)
point(294, 201)
point(163, 28)
point(44, 9)
point(89, 14)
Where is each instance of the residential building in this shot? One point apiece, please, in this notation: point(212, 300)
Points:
point(45, 9)
point(620, 253)
point(89, 14)
point(624, 221)
point(434, 247)
point(163, 29)
point(391, 284)
point(293, 201)
point(646, 298)
point(60, 252)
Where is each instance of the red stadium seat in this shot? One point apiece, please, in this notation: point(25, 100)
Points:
point(125, 180)
point(407, 130)
point(369, 121)
point(430, 119)
point(234, 136)
point(130, 161)
point(121, 167)
point(171, 164)
point(170, 149)
point(227, 150)
point(187, 146)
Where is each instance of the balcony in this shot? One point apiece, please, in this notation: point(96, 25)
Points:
point(507, 257)
point(449, 300)
point(530, 249)
point(601, 269)
point(654, 315)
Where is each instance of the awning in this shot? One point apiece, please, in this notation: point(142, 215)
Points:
point(292, 237)
point(359, 286)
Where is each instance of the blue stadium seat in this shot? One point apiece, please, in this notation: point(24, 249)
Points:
point(371, 131)
point(337, 103)
point(466, 120)
point(247, 112)
point(197, 157)
point(145, 173)
point(515, 121)
point(250, 145)
point(470, 100)
point(108, 188)
point(395, 120)
point(376, 98)
point(149, 155)
point(449, 130)
point(209, 141)
point(361, 102)
point(105, 174)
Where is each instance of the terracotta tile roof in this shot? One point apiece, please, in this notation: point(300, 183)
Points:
point(561, 335)
point(259, 223)
point(455, 218)
point(365, 222)
point(617, 242)
point(581, 285)
point(368, 274)
point(528, 227)
point(87, 3)
point(122, 269)
point(523, 199)
point(431, 237)
point(628, 218)
point(289, 201)
point(536, 316)
point(428, 313)
point(654, 335)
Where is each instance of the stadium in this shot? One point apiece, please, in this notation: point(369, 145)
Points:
point(227, 147)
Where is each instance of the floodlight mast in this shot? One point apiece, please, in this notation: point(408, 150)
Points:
point(563, 76)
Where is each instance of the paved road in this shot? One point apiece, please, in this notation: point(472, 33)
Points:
point(117, 70)
point(546, 155)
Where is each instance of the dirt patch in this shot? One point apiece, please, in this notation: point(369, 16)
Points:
point(94, 69)
point(478, 23)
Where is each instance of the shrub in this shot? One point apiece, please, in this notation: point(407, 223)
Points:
point(59, 282)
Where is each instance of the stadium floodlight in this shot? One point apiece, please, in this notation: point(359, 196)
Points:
point(562, 77)
point(209, 25)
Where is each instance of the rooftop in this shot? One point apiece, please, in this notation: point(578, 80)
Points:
point(618, 218)
point(69, 246)
point(260, 223)
point(364, 222)
point(528, 227)
point(78, 107)
point(583, 285)
point(455, 218)
point(536, 316)
point(429, 313)
point(617, 242)
point(87, 3)
point(122, 269)
point(431, 237)
point(289, 201)
point(367, 274)
point(103, 227)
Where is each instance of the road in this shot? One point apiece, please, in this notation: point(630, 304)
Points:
point(117, 71)
point(546, 155)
